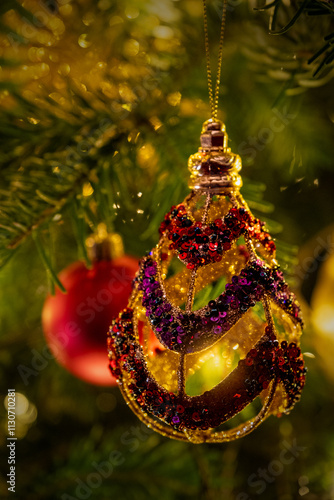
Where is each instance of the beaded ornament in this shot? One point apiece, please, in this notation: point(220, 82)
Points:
point(215, 298)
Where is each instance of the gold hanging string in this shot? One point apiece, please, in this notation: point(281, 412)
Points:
point(214, 97)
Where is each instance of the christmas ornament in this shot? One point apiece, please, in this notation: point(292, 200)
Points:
point(75, 323)
point(248, 330)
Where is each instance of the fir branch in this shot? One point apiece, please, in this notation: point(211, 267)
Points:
point(34, 194)
point(80, 227)
point(328, 56)
point(309, 8)
point(292, 21)
point(46, 260)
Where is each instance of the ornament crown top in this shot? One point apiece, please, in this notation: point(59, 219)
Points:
point(214, 166)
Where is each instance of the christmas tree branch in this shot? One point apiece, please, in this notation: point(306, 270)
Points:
point(18, 220)
point(311, 8)
point(46, 260)
point(79, 226)
point(292, 21)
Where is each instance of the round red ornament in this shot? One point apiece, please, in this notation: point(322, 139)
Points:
point(75, 323)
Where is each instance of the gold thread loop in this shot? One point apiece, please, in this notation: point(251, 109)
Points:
point(214, 96)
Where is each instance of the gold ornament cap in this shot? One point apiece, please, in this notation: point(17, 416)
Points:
point(214, 166)
point(103, 245)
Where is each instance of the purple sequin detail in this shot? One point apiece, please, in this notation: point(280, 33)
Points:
point(199, 328)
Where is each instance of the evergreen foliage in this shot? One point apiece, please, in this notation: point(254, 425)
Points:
point(101, 105)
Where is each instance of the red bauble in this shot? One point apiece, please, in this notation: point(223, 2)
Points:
point(76, 323)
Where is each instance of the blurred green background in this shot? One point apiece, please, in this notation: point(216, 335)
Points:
point(102, 100)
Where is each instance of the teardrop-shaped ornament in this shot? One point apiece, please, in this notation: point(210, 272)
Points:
point(214, 296)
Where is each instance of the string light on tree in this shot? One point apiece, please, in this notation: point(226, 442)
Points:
point(322, 314)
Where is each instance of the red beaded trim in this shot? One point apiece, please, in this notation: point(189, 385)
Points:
point(198, 244)
point(267, 361)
